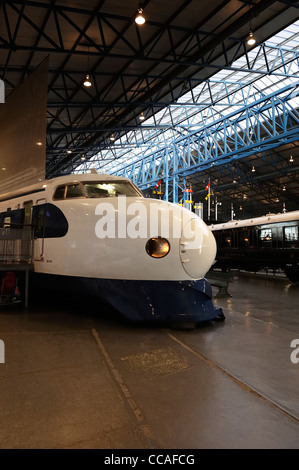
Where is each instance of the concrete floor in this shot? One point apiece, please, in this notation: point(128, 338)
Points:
point(78, 376)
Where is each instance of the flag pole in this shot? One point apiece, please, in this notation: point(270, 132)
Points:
point(208, 188)
point(209, 203)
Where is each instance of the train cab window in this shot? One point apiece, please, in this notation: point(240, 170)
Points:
point(59, 192)
point(74, 190)
point(98, 190)
point(70, 191)
point(265, 237)
point(291, 237)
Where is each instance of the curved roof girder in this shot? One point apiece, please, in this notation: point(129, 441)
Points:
point(261, 125)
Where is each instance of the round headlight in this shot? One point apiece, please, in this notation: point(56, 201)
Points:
point(157, 247)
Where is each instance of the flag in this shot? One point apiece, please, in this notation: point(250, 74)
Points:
point(158, 184)
point(208, 189)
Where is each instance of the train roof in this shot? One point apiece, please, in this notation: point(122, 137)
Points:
point(265, 219)
point(61, 180)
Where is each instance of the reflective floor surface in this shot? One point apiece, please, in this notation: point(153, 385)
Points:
point(78, 376)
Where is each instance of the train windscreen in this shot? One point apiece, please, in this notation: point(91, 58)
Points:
point(99, 190)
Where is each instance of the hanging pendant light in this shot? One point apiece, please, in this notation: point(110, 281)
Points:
point(140, 18)
point(87, 81)
point(251, 41)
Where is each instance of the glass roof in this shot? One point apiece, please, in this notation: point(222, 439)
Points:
point(267, 68)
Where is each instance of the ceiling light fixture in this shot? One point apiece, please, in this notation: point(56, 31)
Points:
point(251, 41)
point(139, 19)
point(87, 81)
point(253, 169)
point(112, 138)
point(141, 117)
point(291, 159)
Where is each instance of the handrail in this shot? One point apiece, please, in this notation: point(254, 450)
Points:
point(16, 243)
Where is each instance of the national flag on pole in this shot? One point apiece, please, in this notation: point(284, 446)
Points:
point(209, 189)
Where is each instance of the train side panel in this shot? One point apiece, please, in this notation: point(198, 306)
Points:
point(269, 244)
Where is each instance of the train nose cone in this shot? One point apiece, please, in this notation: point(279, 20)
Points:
point(197, 248)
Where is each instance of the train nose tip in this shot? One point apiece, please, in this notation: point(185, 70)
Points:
point(197, 248)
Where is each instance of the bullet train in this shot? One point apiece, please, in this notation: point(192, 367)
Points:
point(270, 241)
point(97, 235)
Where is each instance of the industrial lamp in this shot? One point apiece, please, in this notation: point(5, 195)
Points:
point(140, 18)
point(251, 41)
point(87, 81)
point(141, 117)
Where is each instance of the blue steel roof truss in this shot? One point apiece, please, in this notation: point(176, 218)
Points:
point(263, 124)
point(200, 88)
point(203, 136)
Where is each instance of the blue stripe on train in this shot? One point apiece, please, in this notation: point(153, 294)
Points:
point(161, 301)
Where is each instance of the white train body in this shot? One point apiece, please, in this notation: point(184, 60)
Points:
point(119, 237)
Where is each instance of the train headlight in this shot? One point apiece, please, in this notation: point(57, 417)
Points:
point(157, 247)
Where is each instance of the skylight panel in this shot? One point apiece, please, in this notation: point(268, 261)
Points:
point(228, 98)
